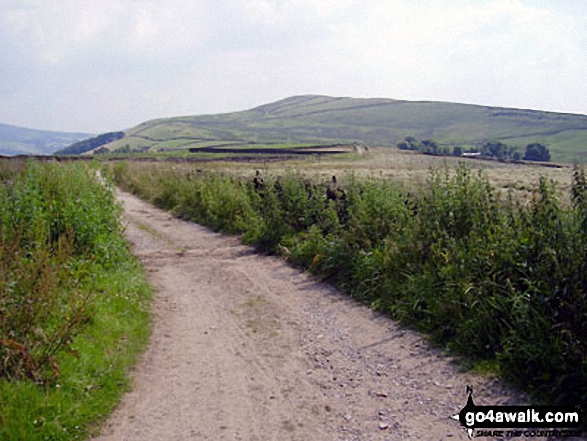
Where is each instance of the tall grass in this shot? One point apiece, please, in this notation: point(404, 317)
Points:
point(54, 228)
point(497, 280)
point(67, 282)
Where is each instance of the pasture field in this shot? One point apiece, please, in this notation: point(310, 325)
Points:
point(405, 168)
point(488, 259)
point(74, 303)
point(383, 122)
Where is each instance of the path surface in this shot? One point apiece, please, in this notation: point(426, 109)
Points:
point(246, 348)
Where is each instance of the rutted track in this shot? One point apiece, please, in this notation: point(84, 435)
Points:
point(246, 348)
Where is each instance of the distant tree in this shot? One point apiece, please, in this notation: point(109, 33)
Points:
point(457, 150)
point(494, 149)
point(90, 144)
point(124, 149)
point(403, 145)
point(511, 152)
point(430, 146)
point(410, 143)
point(499, 150)
point(537, 152)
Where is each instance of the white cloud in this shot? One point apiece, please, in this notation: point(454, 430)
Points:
point(17, 20)
point(137, 59)
point(495, 52)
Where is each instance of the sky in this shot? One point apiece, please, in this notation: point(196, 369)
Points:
point(103, 65)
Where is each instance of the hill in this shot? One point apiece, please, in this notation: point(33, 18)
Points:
point(90, 144)
point(21, 141)
point(322, 119)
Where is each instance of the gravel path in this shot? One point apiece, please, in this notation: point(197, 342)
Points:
point(246, 348)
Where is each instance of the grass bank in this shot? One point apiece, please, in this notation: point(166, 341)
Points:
point(74, 303)
point(497, 280)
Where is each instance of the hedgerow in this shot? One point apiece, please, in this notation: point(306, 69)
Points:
point(499, 281)
point(73, 301)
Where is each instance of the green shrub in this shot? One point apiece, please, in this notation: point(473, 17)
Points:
point(56, 226)
point(501, 282)
point(74, 304)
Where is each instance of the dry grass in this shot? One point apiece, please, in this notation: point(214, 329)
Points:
point(501, 282)
point(406, 168)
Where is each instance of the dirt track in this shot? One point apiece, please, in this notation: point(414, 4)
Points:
point(246, 348)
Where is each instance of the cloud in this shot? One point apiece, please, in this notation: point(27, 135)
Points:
point(495, 52)
point(107, 64)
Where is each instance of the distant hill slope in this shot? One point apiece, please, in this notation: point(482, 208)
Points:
point(322, 119)
point(21, 141)
point(90, 144)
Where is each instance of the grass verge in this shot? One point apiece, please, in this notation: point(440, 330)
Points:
point(501, 282)
point(67, 346)
point(92, 373)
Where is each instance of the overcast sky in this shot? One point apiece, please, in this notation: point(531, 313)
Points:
point(103, 65)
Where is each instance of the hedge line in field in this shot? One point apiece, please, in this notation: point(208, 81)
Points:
point(501, 281)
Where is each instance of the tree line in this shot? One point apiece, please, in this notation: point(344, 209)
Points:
point(494, 149)
point(90, 144)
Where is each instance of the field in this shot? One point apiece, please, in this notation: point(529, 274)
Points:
point(374, 122)
point(73, 301)
point(403, 167)
point(486, 258)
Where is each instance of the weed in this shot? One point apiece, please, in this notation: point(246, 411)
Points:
point(73, 302)
point(500, 282)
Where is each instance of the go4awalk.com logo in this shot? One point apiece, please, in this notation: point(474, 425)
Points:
point(520, 421)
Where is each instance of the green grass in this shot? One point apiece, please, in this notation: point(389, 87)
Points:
point(327, 120)
point(93, 372)
point(74, 303)
point(500, 281)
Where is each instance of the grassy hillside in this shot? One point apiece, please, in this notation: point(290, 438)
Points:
point(321, 120)
point(20, 141)
point(90, 144)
